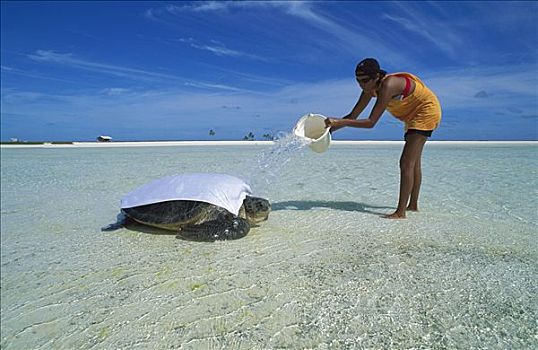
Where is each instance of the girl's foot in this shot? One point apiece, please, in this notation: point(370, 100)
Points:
point(395, 215)
point(412, 208)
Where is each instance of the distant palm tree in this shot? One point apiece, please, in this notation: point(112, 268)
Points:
point(268, 137)
point(249, 137)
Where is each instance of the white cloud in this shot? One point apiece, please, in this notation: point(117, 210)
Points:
point(201, 6)
point(432, 28)
point(213, 86)
point(413, 27)
point(347, 38)
point(296, 7)
point(68, 59)
point(115, 91)
point(220, 49)
point(506, 87)
point(33, 75)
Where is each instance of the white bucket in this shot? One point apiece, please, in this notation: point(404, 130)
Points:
point(312, 128)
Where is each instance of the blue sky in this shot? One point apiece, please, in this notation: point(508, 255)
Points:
point(174, 70)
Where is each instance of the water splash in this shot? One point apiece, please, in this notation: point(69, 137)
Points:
point(270, 162)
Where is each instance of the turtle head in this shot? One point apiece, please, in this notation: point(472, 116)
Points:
point(257, 209)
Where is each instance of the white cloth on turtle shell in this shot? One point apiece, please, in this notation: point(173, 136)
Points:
point(222, 190)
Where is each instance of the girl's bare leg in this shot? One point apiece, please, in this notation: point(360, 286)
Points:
point(417, 180)
point(411, 154)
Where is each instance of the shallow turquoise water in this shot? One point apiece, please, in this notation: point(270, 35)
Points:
point(325, 271)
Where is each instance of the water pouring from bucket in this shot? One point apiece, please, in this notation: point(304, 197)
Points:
point(312, 129)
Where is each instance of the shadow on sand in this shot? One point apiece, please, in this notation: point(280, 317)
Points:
point(346, 206)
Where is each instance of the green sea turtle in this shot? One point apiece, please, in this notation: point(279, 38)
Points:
point(196, 205)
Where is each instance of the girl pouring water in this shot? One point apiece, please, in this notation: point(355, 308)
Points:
point(407, 98)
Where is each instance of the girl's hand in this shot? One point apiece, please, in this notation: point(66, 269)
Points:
point(334, 123)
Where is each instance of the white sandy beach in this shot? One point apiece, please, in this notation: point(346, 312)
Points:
point(244, 143)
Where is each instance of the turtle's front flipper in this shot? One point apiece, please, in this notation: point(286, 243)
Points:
point(223, 228)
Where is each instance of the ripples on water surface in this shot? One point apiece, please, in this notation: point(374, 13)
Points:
point(325, 271)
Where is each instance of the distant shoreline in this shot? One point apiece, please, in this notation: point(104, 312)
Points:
point(236, 143)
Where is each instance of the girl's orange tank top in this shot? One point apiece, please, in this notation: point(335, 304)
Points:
point(420, 110)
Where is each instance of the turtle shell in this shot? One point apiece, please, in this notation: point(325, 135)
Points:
point(172, 215)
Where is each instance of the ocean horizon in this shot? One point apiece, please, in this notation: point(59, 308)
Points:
point(70, 144)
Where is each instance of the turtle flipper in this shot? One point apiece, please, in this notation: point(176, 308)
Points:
point(121, 221)
point(222, 228)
